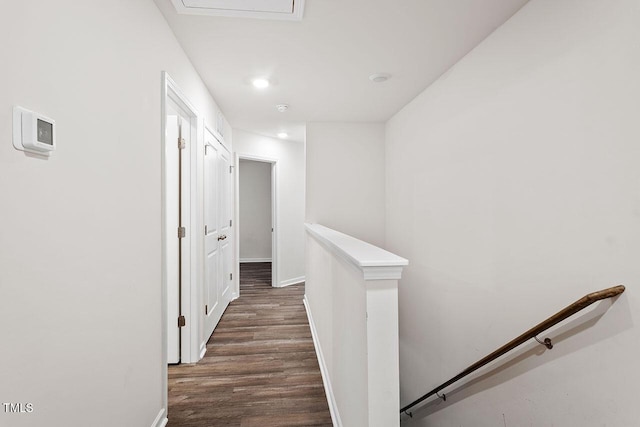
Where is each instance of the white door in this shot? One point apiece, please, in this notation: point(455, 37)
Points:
point(213, 307)
point(177, 126)
point(217, 233)
point(225, 223)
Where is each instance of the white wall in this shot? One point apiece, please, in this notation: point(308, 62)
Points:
point(255, 211)
point(290, 178)
point(513, 187)
point(80, 249)
point(345, 178)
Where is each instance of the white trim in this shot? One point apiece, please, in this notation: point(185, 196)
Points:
point(203, 349)
point(170, 90)
point(163, 239)
point(161, 420)
point(328, 391)
point(236, 227)
point(374, 263)
point(296, 15)
point(275, 254)
point(248, 260)
point(382, 273)
point(293, 281)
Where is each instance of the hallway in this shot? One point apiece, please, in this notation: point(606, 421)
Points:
point(260, 368)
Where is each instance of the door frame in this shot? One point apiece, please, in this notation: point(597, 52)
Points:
point(274, 216)
point(188, 334)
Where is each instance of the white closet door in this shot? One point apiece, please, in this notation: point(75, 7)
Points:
point(218, 237)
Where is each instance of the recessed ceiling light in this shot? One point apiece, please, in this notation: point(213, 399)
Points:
point(282, 134)
point(260, 83)
point(379, 77)
point(282, 107)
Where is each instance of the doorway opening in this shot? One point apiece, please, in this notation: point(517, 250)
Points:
point(257, 243)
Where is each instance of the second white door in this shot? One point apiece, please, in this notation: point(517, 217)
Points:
point(218, 236)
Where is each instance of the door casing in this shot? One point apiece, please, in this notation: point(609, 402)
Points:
point(171, 94)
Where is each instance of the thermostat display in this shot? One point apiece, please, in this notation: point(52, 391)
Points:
point(45, 132)
point(33, 132)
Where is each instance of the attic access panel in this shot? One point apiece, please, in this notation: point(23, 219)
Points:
point(263, 9)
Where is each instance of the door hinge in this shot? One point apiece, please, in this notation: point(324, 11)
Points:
point(182, 232)
point(230, 223)
point(206, 309)
point(181, 143)
point(230, 276)
point(230, 169)
point(181, 321)
point(205, 230)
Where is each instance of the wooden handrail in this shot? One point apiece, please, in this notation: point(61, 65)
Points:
point(566, 312)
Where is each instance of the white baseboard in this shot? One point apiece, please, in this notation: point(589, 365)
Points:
point(203, 349)
point(290, 282)
point(161, 420)
point(328, 391)
point(244, 260)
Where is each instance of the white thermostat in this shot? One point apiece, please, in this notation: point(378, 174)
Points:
point(33, 132)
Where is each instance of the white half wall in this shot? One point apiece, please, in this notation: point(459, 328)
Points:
point(290, 178)
point(351, 296)
point(513, 186)
point(80, 247)
point(345, 178)
point(255, 210)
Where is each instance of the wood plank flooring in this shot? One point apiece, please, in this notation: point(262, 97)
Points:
point(260, 368)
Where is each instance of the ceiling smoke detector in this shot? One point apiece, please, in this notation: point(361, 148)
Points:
point(282, 107)
point(379, 77)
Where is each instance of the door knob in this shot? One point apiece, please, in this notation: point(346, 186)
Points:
point(222, 237)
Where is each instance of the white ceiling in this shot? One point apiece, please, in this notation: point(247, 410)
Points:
point(320, 65)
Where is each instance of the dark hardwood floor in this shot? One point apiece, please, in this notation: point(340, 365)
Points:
point(260, 368)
